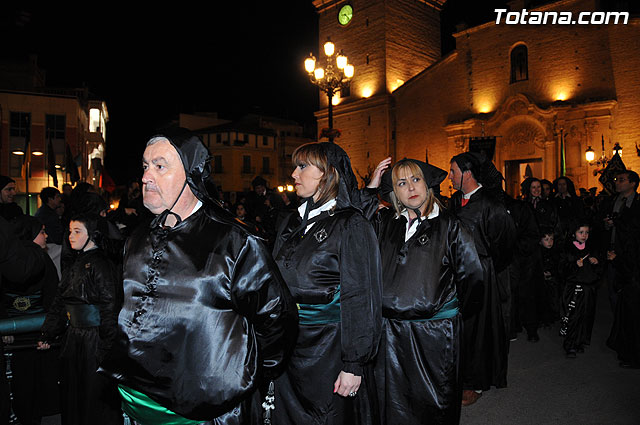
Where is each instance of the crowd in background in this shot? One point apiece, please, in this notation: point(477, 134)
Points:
point(569, 244)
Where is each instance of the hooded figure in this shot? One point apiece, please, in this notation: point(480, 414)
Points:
point(8, 208)
point(34, 383)
point(328, 255)
point(84, 313)
point(432, 277)
point(479, 204)
point(206, 317)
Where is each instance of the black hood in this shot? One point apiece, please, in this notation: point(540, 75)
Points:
point(195, 160)
point(348, 186)
point(433, 176)
point(483, 170)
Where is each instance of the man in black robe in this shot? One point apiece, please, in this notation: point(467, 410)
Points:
point(8, 208)
point(478, 204)
point(622, 225)
point(206, 317)
point(17, 264)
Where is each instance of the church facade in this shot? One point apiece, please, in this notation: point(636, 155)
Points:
point(545, 92)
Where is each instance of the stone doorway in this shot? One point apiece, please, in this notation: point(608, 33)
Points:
point(515, 171)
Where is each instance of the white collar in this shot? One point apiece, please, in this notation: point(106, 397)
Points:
point(411, 230)
point(316, 211)
point(434, 213)
point(197, 207)
point(468, 195)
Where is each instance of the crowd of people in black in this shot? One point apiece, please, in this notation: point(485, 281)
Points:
point(386, 279)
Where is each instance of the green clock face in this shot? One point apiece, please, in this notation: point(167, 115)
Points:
point(345, 14)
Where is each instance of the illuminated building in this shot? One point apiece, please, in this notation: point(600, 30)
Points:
point(67, 117)
point(534, 87)
point(254, 145)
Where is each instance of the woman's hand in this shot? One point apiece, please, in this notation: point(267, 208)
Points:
point(43, 345)
point(376, 177)
point(611, 255)
point(346, 384)
point(593, 260)
point(579, 262)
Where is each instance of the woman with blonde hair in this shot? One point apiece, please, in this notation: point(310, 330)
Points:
point(328, 255)
point(431, 276)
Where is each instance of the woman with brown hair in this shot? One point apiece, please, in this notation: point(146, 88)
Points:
point(431, 276)
point(328, 255)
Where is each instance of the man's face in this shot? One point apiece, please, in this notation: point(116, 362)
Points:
point(623, 185)
point(455, 175)
point(7, 193)
point(163, 176)
point(55, 201)
point(261, 190)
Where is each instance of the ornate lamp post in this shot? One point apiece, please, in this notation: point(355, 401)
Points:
point(335, 75)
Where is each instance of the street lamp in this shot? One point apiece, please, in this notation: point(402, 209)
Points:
point(335, 75)
point(590, 155)
point(27, 163)
point(617, 149)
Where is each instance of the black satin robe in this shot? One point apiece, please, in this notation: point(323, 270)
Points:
point(579, 295)
point(485, 337)
point(417, 370)
point(86, 396)
point(339, 252)
point(206, 317)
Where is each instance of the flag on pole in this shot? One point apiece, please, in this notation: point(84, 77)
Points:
point(106, 182)
point(563, 162)
point(26, 150)
point(71, 166)
point(52, 163)
point(25, 158)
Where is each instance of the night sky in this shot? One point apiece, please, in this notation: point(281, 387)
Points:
point(149, 64)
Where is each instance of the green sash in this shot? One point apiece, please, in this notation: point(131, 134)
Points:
point(314, 314)
point(142, 409)
point(449, 309)
point(83, 315)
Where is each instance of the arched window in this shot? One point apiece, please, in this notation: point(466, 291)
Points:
point(519, 65)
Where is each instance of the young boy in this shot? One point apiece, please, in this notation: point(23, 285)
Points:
point(552, 290)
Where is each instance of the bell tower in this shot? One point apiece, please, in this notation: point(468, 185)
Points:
point(388, 42)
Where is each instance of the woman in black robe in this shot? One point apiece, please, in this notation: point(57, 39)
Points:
point(431, 273)
point(34, 383)
point(328, 255)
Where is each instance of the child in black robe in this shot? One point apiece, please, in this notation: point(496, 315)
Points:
point(581, 271)
point(552, 287)
point(86, 299)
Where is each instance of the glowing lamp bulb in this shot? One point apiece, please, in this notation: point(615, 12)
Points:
point(329, 48)
point(349, 70)
point(318, 73)
point(590, 155)
point(310, 64)
point(341, 61)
